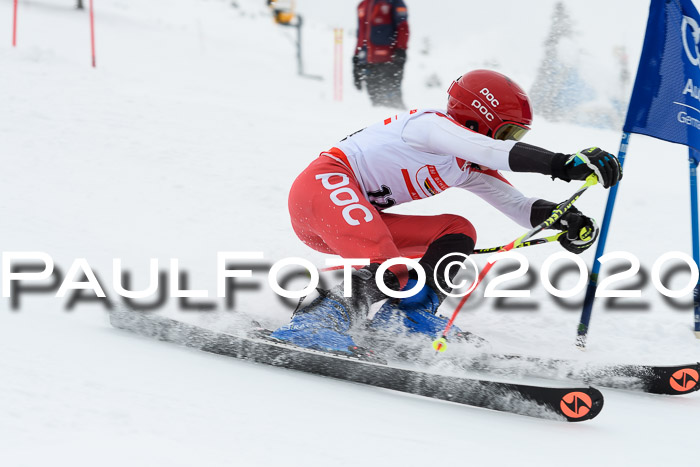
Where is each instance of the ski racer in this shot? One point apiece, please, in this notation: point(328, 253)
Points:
point(337, 204)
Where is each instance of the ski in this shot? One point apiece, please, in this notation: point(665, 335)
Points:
point(564, 403)
point(654, 379)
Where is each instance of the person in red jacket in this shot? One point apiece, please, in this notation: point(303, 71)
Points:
point(380, 55)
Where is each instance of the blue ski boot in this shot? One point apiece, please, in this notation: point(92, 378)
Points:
point(417, 315)
point(322, 325)
point(325, 324)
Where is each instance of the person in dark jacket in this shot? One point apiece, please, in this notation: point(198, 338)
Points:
point(380, 55)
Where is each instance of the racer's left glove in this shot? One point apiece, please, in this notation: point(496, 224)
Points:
point(581, 231)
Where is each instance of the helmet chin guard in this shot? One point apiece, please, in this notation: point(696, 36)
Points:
point(490, 103)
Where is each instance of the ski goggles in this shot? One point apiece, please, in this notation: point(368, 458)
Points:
point(510, 131)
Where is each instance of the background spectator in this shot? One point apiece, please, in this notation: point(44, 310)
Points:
point(380, 55)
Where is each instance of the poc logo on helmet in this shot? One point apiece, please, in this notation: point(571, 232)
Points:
point(490, 97)
point(349, 202)
point(482, 109)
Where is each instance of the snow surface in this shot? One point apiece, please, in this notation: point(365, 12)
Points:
point(184, 141)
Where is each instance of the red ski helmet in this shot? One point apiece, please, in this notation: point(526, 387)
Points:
point(491, 104)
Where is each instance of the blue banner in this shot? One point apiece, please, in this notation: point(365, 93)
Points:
point(665, 101)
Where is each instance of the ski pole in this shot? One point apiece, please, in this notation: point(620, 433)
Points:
point(481, 251)
point(440, 344)
point(534, 241)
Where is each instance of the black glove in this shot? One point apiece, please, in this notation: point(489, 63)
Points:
point(581, 231)
point(399, 57)
point(579, 166)
point(357, 72)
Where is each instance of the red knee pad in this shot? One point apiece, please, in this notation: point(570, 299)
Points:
point(453, 224)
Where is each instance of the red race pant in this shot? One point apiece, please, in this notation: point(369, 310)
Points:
point(330, 214)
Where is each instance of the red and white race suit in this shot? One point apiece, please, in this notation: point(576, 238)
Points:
point(336, 204)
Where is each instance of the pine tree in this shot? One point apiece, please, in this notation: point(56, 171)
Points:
point(553, 74)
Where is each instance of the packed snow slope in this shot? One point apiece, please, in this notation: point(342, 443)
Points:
point(184, 141)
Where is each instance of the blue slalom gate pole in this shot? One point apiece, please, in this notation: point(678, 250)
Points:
point(693, 159)
point(605, 227)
